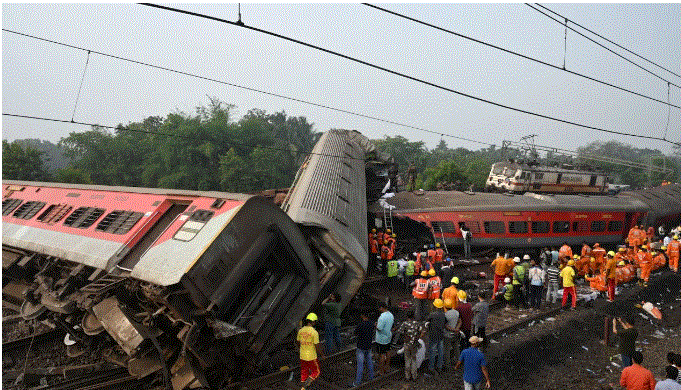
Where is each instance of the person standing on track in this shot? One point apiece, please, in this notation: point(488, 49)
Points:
point(420, 294)
point(628, 336)
point(673, 253)
point(474, 366)
point(452, 292)
point(552, 276)
point(383, 337)
point(518, 284)
point(466, 314)
point(308, 340)
point(611, 275)
point(501, 270)
point(364, 333)
point(480, 314)
point(436, 328)
point(412, 331)
point(536, 277)
point(452, 327)
point(568, 275)
point(332, 312)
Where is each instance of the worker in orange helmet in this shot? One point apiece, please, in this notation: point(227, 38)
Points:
point(610, 272)
point(565, 251)
point(673, 253)
point(420, 294)
point(598, 253)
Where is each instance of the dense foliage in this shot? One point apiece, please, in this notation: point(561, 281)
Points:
point(211, 150)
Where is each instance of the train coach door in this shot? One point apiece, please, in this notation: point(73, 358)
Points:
point(592, 182)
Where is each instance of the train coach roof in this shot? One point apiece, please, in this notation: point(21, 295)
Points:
point(663, 199)
point(480, 201)
point(139, 190)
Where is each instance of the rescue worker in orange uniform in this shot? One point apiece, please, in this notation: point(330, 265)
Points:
point(374, 248)
point(594, 267)
point(393, 242)
point(565, 252)
point(386, 254)
point(658, 260)
point(582, 264)
point(431, 254)
point(501, 271)
point(598, 254)
point(645, 262)
point(434, 285)
point(438, 257)
point(452, 292)
point(420, 294)
point(586, 249)
point(673, 253)
point(610, 272)
point(636, 239)
point(650, 233)
point(597, 282)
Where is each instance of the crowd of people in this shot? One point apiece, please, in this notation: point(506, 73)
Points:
point(450, 332)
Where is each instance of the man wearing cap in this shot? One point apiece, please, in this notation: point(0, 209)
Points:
point(474, 366)
point(383, 336)
point(436, 327)
point(452, 327)
point(420, 294)
point(308, 340)
point(611, 275)
point(673, 253)
point(568, 275)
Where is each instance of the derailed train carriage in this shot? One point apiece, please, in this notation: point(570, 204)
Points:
point(195, 286)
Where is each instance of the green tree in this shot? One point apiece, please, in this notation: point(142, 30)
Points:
point(22, 163)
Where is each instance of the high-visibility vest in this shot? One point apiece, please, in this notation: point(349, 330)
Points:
point(434, 284)
point(420, 290)
point(439, 255)
point(431, 255)
point(392, 268)
point(508, 295)
point(673, 249)
point(374, 246)
point(409, 270)
point(598, 254)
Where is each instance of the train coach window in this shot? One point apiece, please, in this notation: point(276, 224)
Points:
point(8, 205)
point(598, 226)
point(540, 226)
point(54, 213)
point(517, 227)
point(444, 226)
point(495, 227)
point(615, 226)
point(538, 175)
point(119, 221)
point(473, 226)
point(83, 217)
point(28, 209)
point(561, 226)
point(580, 226)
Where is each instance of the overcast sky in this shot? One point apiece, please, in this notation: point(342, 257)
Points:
point(42, 79)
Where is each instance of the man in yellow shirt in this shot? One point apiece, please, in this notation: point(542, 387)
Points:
point(308, 339)
point(568, 275)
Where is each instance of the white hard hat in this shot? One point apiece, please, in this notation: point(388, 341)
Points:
point(516, 259)
point(526, 257)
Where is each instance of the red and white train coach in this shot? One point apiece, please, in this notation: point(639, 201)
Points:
point(210, 281)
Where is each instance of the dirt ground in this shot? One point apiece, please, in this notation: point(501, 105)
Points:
point(567, 351)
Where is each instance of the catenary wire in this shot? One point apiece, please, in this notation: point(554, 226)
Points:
point(358, 114)
point(608, 40)
point(80, 87)
point(518, 54)
point(601, 45)
point(403, 75)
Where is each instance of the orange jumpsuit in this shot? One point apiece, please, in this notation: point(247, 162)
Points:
point(582, 265)
point(597, 282)
point(637, 241)
point(673, 255)
point(565, 251)
point(598, 254)
point(500, 271)
point(434, 286)
point(659, 261)
point(439, 255)
point(452, 293)
point(645, 262)
point(650, 234)
point(586, 250)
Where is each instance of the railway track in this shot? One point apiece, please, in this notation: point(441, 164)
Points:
point(114, 379)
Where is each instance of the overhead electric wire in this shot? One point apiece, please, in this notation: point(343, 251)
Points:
point(608, 40)
point(403, 75)
point(358, 114)
point(601, 45)
point(518, 54)
point(120, 128)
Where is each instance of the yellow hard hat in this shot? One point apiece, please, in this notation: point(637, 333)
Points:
point(653, 253)
point(431, 272)
point(424, 273)
point(571, 262)
point(593, 260)
point(621, 263)
point(621, 249)
point(311, 317)
point(644, 246)
point(611, 253)
point(373, 230)
point(448, 303)
point(388, 231)
point(437, 245)
point(394, 235)
point(676, 237)
point(462, 295)
point(386, 241)
point(438, 303)
point(664, 248)
point(455, 280)
point(576, 256)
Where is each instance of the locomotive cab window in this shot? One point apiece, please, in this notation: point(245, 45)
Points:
point(561, 226)
point(495, 227)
